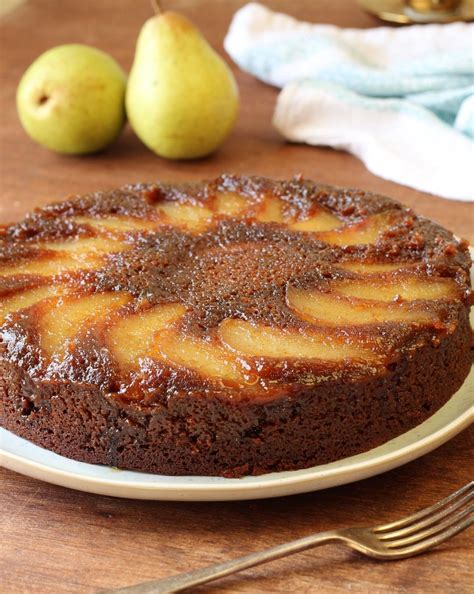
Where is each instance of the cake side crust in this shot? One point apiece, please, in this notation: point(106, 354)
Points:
point(202, 435)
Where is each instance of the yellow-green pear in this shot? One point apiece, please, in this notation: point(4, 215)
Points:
point(182, 98)
point(72, 99)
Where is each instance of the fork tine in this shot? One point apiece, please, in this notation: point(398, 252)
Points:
point(424, 512)
point(424, 545)
point(428, 520)
point(431, 531)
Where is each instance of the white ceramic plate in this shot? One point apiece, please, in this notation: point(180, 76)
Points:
point(22, 456)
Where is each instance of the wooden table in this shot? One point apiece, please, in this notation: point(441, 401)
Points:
point(56, 540)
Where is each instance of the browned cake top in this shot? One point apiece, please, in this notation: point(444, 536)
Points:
point(153, 290)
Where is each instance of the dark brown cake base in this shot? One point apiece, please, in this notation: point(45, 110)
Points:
point(210, 436)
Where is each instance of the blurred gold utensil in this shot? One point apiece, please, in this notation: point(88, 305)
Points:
point(420, 11)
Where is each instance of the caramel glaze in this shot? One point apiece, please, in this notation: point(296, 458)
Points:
point(231, 267)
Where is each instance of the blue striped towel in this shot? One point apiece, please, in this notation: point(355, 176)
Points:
point(401, 99)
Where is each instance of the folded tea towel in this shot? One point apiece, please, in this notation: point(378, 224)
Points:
point(401, 99)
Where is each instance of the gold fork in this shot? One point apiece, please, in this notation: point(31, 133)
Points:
point(407, 537)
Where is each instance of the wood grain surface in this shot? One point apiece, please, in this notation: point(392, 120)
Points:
point(56, 540)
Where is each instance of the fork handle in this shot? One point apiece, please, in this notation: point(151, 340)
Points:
point(180, 582)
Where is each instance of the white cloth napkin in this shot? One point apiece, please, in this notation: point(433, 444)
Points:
point(401, 99)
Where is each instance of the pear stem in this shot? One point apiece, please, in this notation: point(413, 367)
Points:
point(155, 4)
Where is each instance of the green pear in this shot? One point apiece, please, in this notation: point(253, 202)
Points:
point(72, 99)
point(182, 98)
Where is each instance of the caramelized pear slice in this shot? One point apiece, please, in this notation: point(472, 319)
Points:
point(230, 204)
point(270, 211)
point(321, 220)
point(374, 267)
point(264, 341)
point(399, 287)
point(26, 299)
point(329, 309)
point(118, 224)
point(191, 217)
point(69, 316)
point(364, 233)
point(131, 338)
point(87, 245)
point(208, 359)
point(48, 265)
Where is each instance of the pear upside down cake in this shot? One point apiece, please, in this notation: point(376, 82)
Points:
point(231, 327)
